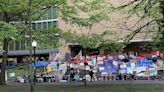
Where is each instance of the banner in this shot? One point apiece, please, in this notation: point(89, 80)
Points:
point(152, 72)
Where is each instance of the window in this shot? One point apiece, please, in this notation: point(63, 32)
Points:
point(49, 24)
point(45, 25)
point(17, 45)
point(49, 14)
point(23, 45)
point(54, 12)
point(11, 45)
point(34, 26)
point(54, 23)
point(45, 16)
point(40, 27)
point(27, 43)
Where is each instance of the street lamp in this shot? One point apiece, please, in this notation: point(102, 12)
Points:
point(56, 34)
point(34, 44)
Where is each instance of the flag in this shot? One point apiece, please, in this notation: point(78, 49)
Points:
point(53, 56)
point(68, 57)
point(56, 57)
point(79, 55)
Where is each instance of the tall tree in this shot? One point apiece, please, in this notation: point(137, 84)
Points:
point(7, 33)
point(149, 11)
point(22, 13)
point(84, 15)
point(9, 11)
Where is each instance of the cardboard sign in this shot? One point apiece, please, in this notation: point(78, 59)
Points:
point(87, 68)
point(133, 64)
point(101, 68)
point(122, 71)
point(130, 70)
point(100, 62)
point(121, 66)
point(12, 74)
point(152, 71)
point(115, 63)
point(140, 69)
point(140, 74)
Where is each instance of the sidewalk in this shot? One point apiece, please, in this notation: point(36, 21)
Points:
point(118, 82)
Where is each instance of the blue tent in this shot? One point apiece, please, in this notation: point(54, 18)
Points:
point(40, 64)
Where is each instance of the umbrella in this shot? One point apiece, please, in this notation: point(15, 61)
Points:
point(40, 64)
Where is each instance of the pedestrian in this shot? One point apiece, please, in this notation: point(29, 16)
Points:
point(91, 74)
point(72, 74)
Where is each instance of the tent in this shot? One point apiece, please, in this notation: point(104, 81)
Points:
point(40, 64)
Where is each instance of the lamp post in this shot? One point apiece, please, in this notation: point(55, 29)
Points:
point(57, 36)
point(34, 44)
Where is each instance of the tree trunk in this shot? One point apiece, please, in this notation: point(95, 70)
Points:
point(30, 33)
point(4, 61)
point(85, 81)
point(85, 64)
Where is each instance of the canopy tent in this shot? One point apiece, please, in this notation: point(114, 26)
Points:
point(40, 64)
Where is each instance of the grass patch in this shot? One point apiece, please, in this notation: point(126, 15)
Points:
point(19, 70)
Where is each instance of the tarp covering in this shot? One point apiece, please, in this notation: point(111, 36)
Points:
point(40, 64)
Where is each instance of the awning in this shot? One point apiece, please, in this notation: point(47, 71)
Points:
point(27, 52)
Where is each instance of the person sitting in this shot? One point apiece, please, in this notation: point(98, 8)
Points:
point(91, 74)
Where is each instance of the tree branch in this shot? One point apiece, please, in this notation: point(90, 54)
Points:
point(130, 36)
point(128, 4)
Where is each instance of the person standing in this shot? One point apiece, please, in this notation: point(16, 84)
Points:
point(91, 74)
point(72, 74)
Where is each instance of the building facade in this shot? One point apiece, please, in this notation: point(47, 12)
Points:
point(117, 24)
point(48, 20)
point(19, 50)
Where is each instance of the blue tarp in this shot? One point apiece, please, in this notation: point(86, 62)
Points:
point(144, 62)
point(108, 66)
point(40, 64)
